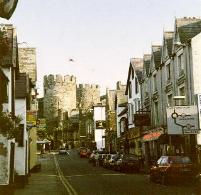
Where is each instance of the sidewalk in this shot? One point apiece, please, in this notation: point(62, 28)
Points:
point(45, 182)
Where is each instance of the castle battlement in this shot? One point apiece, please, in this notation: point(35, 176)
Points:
point(88, 86)
point(56, 80)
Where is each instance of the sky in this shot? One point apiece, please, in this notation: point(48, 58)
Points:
point(99, 35)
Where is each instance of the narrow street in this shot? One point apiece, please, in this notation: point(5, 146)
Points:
point(82, 178)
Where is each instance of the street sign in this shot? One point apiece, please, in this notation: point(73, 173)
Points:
point(182, 120)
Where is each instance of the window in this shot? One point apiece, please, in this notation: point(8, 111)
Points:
point(20, 135)
point(130, 90)
point(180, 64)
point(136, 85)
point(132, 73)
point(168, 72)
point(138, 104)
point(164, 161)
point(169, 100)
point(130, 113)
point(156, 113)
point(182, 93)
point(155, 83)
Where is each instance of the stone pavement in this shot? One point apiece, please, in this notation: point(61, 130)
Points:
point(45, 182)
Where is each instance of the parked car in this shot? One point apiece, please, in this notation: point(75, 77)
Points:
point(112, 160)
point(63, 151)
point(101, 159)
point(130, 163)
point(173, 169)
point(118, 162)
point(91, 157)
point(108, 158)
point(83, 153)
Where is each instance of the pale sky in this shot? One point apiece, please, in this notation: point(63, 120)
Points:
point(100, 35)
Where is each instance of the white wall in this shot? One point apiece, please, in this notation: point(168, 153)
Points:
point(100, 141)
point(196, 62)
point(99, 113)
point(4, 160)
point(119, 110)
point(20, 156)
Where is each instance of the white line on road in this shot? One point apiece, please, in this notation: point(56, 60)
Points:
point(67, 185)
point(104, 174)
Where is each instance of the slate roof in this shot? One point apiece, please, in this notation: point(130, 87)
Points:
point(137, 65)
point(188, 28)
point(156, 49)
point(168, 35)
point(22, 86)
point(147, 63)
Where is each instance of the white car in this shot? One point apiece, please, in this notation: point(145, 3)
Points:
point(63, 151)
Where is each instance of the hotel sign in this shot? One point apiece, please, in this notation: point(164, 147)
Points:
point(142, 119)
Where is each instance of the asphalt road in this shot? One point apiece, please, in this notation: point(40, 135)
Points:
point(81, 178)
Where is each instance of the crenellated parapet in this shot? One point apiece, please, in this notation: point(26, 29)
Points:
point(88, 95)
point(51, 81)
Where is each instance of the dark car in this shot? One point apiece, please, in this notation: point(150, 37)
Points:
point(130, 163)
point(63, 151)
point(170, 169)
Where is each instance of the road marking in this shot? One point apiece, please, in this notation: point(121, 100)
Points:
point(67, 185)
point(104, 174)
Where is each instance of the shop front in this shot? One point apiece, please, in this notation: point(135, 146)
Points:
point(154, 145)
point(135, 144)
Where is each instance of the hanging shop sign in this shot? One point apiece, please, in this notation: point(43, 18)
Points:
point(7, 7)
point(142, 119)
point(31, 118)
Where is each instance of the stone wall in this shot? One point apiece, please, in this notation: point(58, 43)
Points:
point(87, 96)
point(27, 62)
point(59, 94)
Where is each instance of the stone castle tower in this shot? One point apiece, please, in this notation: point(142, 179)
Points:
point(59, 95)
point(87, 96)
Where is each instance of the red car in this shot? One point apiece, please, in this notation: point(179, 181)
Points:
point(83, 153)
point(170, 169)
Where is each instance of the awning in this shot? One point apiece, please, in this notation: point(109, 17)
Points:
point(151, 136)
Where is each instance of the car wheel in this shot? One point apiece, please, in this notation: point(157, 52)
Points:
point(164, 180)
point(151, 178)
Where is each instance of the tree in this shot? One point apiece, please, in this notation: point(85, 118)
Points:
point(9, 127)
